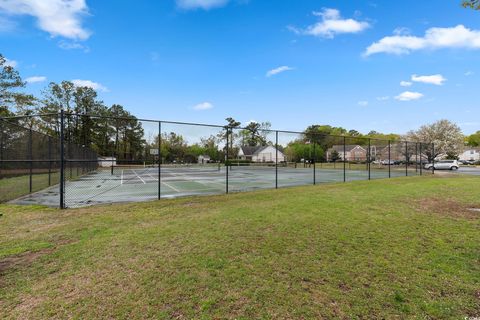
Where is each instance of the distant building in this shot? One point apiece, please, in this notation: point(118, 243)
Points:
point(204, 159)
point(352, 152)
point(107, 161)
point(396, 152)
point(261, 154)
point(470, 154)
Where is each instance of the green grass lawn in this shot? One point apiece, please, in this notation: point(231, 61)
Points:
point(15, 187)
point(384, 249)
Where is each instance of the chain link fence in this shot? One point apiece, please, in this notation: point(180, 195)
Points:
point(74, 160)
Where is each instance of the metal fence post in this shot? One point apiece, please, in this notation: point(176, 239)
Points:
point(433, 158)
point(159, 160)
point(389, 159)
point(276, 159)
point(369, 157)
point(226, 162)
point(421, 161)
point(1, 147)
point(62, 159)
point(30, 157)
point(416, 158)
point(314, 158)
point(406, 159)
point(344, 159)
point(49, 161)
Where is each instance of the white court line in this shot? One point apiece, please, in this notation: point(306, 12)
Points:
point(195, 180)
point(189, 179)
point(171, 187)
point(139, 176)
point(121, 178)
point(156, 179)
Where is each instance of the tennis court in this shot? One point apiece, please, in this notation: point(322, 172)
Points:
point(139, 183)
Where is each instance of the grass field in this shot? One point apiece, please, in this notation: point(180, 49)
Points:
point(399, 248)
point(12, 188)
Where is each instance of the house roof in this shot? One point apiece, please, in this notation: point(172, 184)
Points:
point(251, 150)
point(348, 147)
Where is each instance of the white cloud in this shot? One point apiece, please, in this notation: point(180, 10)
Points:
point(384, 98)
point(436, 79)
point(57, 17)
point(469, 73)
point(363, 103)
point(90, 84)
point(10, 63)
point(405, 83)
point(408, 95)
point(332, 24)
point(203, 106)
point(401, 31)
point(201, 4)
point(434, 38)
point(278, 70)
point(69, 45)
point(35, 79)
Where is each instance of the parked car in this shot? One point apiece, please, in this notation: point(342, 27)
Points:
point(467, 162)
point(387, 162)
point(443, 165)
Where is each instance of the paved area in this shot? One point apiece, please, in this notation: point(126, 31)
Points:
point(142, 184)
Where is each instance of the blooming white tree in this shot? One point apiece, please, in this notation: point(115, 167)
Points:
point(444, 135)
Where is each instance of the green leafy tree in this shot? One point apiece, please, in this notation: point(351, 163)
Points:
point(299, 149)
point(11, 99)
point(472, 4)
point(354, 133)
point(211, 148)
point(255, 134)
point(473, 140)
point(324, 136)
point(58, 96)
point(222, 136)
point(335, 156)
point(175, 147)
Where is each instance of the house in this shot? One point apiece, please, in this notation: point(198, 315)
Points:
point(394, 152)
point(472, 154)
point(261, 154)
point(204, 159)
point(352, 152)
point(107, 161)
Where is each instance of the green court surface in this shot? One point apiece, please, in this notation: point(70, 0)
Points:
point(142, 184)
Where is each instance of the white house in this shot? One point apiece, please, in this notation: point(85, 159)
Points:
point(107, 161)
point(472, 154)
point(261, 154)
point(204, 159)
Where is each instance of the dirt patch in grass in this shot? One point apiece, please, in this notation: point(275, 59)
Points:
point(25, 259)
point(447, 207)
point(21, 260)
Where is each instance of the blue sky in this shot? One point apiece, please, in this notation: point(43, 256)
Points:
point(290, 62)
